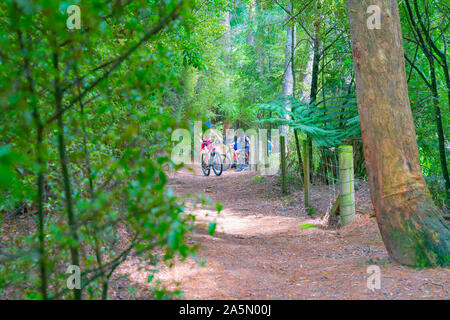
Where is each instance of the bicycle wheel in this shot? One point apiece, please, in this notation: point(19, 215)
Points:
point(205, 168)
point(217, 164)
point(226, 162)
point(241, 158)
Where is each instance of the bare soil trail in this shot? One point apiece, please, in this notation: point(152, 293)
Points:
point(261, 251)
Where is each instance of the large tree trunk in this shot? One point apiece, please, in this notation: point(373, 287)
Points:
point(288, 77)
point(412, 227)
point(288, 90)
point(251, 37)
point(226, 21)
point(250, 40)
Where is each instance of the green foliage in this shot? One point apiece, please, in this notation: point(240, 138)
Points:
point(212, 228)
point(87, 110)
point(308, 226)
point(327, 124)
point(259, 179)
point(89, 113)
point(434, 15)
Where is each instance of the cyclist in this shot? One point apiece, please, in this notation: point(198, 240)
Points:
point(207, 140)
point(247, 149)
point(235, 146)
point(245, 145)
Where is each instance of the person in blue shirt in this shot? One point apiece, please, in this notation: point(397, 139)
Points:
point(235, 146)
point(247, 149)
point(244, 144)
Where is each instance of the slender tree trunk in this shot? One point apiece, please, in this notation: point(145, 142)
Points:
point(307, 79)
point(314, 82)
point(412, 227)
point(226, 21)
point(428, 47)
point(65, 172)
point(315, 72)
point(305, 95)
point(41, 168)
point(439, 127)
point(87, 162)
point(294, 83)
point(441, 54)
point(250, 37)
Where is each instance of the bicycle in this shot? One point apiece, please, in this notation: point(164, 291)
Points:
point(226, 158)
point(214, 159)
point(241, 159)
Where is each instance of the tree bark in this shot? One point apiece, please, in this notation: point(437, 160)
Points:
point(250, 39)
point(40, 166)
point(412, 227)
point(226, 21)
point(288, 90)
point(314, 81)
point(63, 159)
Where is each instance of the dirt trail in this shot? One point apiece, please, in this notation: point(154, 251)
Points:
point(259, 250)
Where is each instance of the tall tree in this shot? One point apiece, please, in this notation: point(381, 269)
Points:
point(288, 90)
point(226, 22)
point(412, 227)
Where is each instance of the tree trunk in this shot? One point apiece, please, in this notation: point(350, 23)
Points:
point(288, 77)
point(288, 90)
point(64, 161)
point(250, 40)
point(226, 21)
point(305, 95)
point(440, 130)
point(297, 143)
point(412, 227)
point(314, 82)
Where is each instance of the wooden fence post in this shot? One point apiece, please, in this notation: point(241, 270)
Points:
point(306, 172)
point(346, 185)
point(283, 163)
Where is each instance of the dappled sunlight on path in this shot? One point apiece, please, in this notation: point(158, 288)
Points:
point(260, 251)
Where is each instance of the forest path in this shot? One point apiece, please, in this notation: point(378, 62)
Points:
point(259, 250)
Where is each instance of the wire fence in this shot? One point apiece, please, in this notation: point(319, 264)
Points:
point(330, 189)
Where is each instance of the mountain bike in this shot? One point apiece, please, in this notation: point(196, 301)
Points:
point(241, 159)
point(211, 158)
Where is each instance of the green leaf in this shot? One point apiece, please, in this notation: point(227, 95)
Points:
point(219, 206)
point(212, 228)
point(308, 226)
